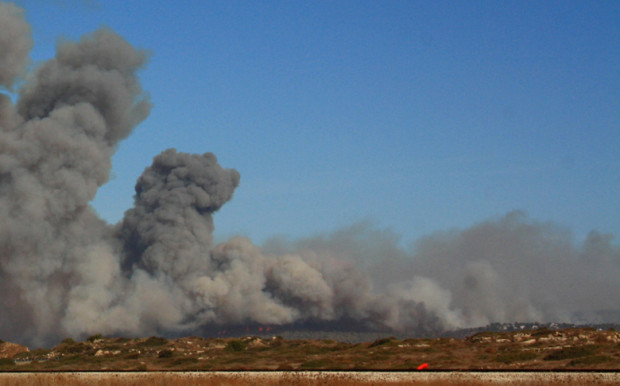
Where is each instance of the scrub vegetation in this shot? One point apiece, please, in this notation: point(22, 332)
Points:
point(574, 348)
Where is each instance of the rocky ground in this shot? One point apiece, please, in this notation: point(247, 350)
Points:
point(567, 349)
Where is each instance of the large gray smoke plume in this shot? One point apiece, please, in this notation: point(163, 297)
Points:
point(65, 272)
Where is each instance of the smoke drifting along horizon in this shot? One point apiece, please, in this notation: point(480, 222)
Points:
point(65, 272)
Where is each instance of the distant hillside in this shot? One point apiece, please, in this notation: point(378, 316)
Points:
point(540, 348)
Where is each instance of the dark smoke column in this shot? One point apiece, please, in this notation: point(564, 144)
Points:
point(169, 231)
point(15, 43)
point(56, 256)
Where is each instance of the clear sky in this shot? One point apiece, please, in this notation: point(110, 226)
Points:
point(416, 115)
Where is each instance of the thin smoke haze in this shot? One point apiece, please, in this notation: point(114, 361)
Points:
point(66, 272)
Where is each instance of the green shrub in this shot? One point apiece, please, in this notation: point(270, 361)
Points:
point(71, 359)
point(132, 355)
point(75, 348)
point(316, 364)
point(153, 341)
point(569, 353)
point(185, 361)
point(39, 352)
point(314, 350)
point(382, 341)
point(236, 345)
point(6, 362)
point(508, 357)
point(543, 331)
point(165, 354)
point(68, 341)
point(95, 337)
point(278, 342)
point(590, 360)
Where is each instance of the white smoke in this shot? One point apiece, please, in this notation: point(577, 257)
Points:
point(65, 272)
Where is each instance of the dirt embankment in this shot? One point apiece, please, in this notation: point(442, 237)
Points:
point(313, 378)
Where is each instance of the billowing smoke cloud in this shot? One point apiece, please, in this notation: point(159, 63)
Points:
point(65, 272)
point(15, 43)
point(506, 269)
point(513, 269)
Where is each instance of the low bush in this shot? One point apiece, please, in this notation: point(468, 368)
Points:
point(39, 353)
point(165, 354)
point(382, 341)
point(70, 359)
point(508, 358)
point(153, 341)
point(185, 361)
point(95, 337)
point(23, 355)
point(316, 364)
point(590, 360)
point(74, 348)
point(236, 345)
point(569, 353)
point(314, 350)
point(544, 331)
point(132, 355)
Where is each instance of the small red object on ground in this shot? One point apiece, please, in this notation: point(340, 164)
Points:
point(423, 366)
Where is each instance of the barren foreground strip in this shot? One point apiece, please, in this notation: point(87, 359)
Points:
point(309, 378)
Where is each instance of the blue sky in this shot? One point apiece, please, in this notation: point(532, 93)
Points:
point(418, 116)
